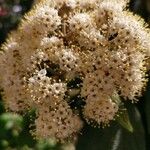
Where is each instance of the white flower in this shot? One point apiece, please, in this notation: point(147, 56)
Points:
point(93, 47)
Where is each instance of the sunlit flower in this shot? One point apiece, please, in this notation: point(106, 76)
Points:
point(74, 48)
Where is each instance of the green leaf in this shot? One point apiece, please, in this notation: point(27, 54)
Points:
point(4, 143)
point(50, 144)
point(124, 121)
point(11, 121)
point(114, 137)
point(116, 98)
point(123, 117)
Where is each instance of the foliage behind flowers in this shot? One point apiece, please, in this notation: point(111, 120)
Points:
point(81, 60)
point(11, 12)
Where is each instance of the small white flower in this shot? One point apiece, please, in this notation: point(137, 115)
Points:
point(42, 73)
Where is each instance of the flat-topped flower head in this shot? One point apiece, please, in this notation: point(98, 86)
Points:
point(66, 51)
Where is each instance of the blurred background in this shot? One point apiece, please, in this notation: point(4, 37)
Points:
point(14, 129)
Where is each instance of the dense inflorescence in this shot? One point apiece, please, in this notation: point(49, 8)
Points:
point(68, 58)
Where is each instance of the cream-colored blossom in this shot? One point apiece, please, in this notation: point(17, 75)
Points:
point(102, 109)
point(74, 48)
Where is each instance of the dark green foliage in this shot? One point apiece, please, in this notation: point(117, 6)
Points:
point(114, 137)
point(11, 12)
point(15, 133)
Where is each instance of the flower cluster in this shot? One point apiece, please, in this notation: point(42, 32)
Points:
point(70, 50)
